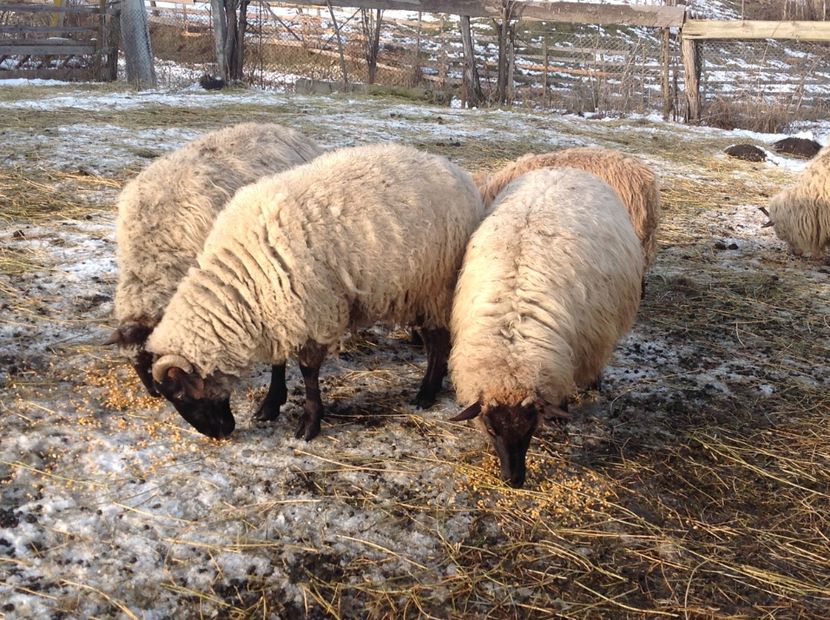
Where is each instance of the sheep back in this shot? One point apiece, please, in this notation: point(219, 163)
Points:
point(358, 235)
point(801, 213)
point(167, 211)
point(550, 281)
point(635, 183)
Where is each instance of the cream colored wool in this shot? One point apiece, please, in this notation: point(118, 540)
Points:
point(358, 235)
point(167, 211)
point(550, 282)
point(634, 182)
point(801, 213)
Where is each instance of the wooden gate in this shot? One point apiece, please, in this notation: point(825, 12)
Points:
point(59, 41)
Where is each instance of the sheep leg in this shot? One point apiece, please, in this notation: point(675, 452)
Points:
point(415, 338)
point(269, 408)
point(596, 384)
point(437, 343)
point(311, 358)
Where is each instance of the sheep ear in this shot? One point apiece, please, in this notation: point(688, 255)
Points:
point(764, 211)
point(553, 414)
point(190, 383)
point(129, 334)
point(468, 414)
point(114, 338)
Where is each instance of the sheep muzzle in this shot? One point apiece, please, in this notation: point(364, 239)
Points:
point(210, 417)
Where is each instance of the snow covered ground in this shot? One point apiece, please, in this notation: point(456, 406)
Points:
point(112, 506)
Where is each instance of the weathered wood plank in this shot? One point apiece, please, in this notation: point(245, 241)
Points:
point(47, 8)
point(50, 42)
point(45, 29)
point(569, 12)
point(621, 14)
point(83, 74)
point(746, 29)
point(46, 50)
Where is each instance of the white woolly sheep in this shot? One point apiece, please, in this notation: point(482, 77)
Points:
point(800, 214)
point(634, 182)
point(165, 215)
point(550, 282)
point(364, 234)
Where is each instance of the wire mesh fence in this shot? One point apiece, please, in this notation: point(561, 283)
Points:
point(605, 70)
point(569, 67)
point(764, 84)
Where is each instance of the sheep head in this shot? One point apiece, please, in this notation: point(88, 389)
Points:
point(132, 336)
point(204, 403)
point(510, 428)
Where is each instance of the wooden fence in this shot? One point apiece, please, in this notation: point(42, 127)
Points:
point(696, 32)
point(59, 42)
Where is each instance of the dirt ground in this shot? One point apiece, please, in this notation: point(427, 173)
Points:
point(696, 484)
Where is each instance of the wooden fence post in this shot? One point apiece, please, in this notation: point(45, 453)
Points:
point(220, 36)
point(545, 93)
point(691, 76)
point(471, 84)
point(665, 60)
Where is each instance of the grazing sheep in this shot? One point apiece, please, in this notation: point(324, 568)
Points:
point(359, 235)
point(800, 214)
point(165, 215)
point(550, 282)
point(633, 180)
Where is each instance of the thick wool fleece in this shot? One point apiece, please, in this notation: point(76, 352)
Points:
point(167, 211)
point(550, 282)
point(801, 213)
point(358, 235)
point(634, 182)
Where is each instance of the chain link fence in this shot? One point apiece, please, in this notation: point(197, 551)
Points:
point(584, 69)
point(605, 70)
point(764, 84)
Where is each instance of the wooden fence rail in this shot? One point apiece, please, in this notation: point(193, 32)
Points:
point(88, 51)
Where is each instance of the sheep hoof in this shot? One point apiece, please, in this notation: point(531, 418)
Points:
point(423, 400)
point(309, 426)
point(266, 412)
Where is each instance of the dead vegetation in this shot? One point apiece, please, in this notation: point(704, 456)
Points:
point(696, 485)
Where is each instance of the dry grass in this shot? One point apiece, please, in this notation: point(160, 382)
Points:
point(34, 194)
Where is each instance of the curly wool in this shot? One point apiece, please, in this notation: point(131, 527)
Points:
point(358, 235)
point(801, 214)
point(550, 282)
point(634, 182)
point(167, 211)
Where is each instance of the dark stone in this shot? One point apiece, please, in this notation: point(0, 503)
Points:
point(747, 152)
point(8, 519)
point(800, 147)
point(211, 82)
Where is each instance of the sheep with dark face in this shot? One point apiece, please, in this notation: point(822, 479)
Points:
point(165, 215)
point(359, 235)
point(800, 214)
point(549, 284)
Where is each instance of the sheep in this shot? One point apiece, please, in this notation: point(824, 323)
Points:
point(165, 215)
point(634, 182)
point(800, 215)
point(359, 235)
point(550, 282)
